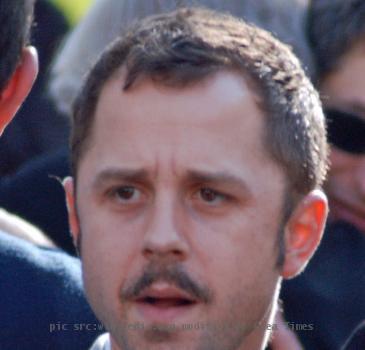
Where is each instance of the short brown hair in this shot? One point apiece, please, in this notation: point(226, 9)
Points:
point(189, 44)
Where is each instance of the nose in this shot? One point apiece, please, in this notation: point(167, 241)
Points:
point(164, 239)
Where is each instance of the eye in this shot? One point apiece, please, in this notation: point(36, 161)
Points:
point(126, 194)
point(211, 196)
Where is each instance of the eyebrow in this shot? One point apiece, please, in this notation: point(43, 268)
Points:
point(197, 176)
point(221, 177)
point(119, 174)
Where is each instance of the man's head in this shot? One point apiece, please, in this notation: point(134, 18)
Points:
point(337, 33)
point(197, 150)
point(18, 63)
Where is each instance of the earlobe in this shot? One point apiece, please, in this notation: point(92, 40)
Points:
point(303, 232)
point(68, 186)
point(18, 86)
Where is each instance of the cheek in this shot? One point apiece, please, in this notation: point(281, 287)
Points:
point(244, 280)
point(106, 235)
point(237, 249)
point(108, 247)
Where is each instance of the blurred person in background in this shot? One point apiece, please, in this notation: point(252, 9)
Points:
point(41, 296)
point(331, 290)
point(39, 128)
point(337, 34)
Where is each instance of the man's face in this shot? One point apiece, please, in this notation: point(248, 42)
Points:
point(180, 206)
point(344, 90)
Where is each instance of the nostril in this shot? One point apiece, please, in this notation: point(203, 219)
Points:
point(163, 254)
point(176, 252)
point(147, 251)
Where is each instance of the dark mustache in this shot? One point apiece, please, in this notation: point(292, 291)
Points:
point(174, 275)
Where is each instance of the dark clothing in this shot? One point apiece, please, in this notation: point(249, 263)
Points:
point(357, 339)
point(35, 195)
point(327, 301)
point(41, 297)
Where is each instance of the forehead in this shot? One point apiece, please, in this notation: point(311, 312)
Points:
point(213, 125)
point(227, 90)
point(216, 99)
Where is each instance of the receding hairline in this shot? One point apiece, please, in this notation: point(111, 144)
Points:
point(120, 75)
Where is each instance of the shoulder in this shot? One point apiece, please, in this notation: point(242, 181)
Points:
point(20, 257)
point(41, 294)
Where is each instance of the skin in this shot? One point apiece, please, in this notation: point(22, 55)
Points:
point(176, 180)
point(283, 338)
point(344, 89)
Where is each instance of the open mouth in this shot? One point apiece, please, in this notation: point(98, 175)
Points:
point(166, 302)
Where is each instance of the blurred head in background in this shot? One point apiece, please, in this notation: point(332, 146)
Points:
point(337, 33)
point(18, 63)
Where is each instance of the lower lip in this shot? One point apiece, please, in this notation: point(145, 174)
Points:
point(163, 314)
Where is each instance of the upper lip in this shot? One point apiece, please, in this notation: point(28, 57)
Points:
point(164, 291)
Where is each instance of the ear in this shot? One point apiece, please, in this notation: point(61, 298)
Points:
point(303, 232)
point(73, 220)
point(18, 86)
